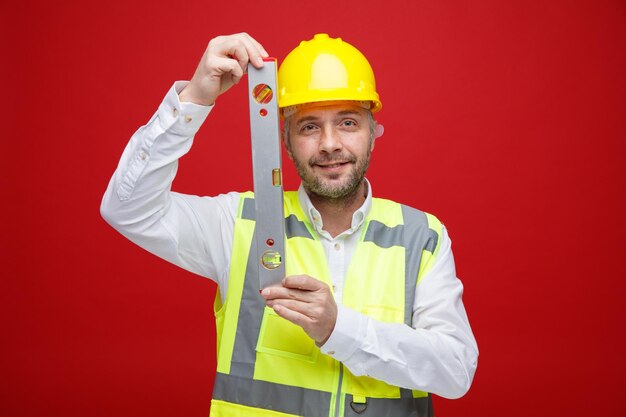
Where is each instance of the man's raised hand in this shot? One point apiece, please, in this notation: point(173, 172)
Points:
point(223, 64)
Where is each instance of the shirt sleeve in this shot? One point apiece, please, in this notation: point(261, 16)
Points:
point(192, 232)
point(438, 354)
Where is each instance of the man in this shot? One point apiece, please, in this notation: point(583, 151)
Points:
point(369, 318)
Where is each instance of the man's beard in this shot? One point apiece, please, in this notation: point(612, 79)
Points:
point(318, 186)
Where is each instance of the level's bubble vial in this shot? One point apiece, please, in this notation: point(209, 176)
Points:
point(271, 259)
point(263, 94)
point(277, 178)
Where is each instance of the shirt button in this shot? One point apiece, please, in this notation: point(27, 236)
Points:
point(143, 155)
point(337, 246)
point(175, 111)
point(332, 352)
point(188, 119)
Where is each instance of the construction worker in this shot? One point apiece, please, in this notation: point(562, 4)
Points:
point(369, 319)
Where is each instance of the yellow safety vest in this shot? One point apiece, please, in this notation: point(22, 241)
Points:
point(269, 367)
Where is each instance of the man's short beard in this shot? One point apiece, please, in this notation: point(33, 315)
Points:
point(313, 184)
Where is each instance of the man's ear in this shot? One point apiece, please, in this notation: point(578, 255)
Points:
point(378, 132)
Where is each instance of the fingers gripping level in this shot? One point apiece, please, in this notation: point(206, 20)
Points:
point(267, 170)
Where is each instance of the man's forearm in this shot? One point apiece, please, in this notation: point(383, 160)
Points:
point(141, 183)
point(138, 201)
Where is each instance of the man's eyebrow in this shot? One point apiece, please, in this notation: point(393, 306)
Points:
point(341, 113)
point(349, 112)
point(306, 119)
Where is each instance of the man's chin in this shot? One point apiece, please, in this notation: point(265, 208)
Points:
point(333, 190)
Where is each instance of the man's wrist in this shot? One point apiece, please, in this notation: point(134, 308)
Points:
point(188, 95)
point(182, 117)
point(350, 329)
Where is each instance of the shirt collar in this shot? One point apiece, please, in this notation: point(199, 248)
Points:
point(316, 219)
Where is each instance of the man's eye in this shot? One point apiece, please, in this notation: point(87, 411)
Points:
point(349, 123)
point(306, 128)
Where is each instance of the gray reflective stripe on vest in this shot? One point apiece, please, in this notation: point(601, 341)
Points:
point(293, 226)
point(271, 396)
point(248, 211)
point(413, 235)
point(250, 316)
point(391, 407)
point(296, 228)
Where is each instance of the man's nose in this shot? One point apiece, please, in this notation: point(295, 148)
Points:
point(330, 140)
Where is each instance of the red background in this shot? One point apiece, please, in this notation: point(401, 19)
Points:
point(504, 118)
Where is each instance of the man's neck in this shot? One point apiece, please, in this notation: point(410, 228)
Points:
point(337, 212)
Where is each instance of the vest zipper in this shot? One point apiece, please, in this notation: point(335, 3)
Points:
point(338, 395)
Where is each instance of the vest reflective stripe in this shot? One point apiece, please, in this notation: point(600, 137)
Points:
point(293, 226)
point(227, 313)
point(245, 380)
point(267, 395)
point(249, 322)
point(402, 235)
point(248, 210)
point(296, 228)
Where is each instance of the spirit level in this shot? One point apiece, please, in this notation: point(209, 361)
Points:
point(267, 171)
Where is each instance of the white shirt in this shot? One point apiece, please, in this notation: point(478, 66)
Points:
point(438, 355)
